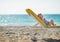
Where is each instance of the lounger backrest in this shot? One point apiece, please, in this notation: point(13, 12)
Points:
point(30, 12)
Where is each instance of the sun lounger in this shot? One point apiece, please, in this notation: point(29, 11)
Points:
point(30, 12)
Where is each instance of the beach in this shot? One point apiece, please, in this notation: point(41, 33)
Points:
point(24, 33)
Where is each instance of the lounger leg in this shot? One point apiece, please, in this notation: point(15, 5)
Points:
point(43, 33)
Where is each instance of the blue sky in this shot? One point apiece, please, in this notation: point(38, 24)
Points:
point(38, 6)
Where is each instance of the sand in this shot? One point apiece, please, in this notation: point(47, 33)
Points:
point(24, 33)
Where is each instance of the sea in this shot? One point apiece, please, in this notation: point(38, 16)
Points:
point(25, 20)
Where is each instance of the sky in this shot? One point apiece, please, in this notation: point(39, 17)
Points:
point(38, 6)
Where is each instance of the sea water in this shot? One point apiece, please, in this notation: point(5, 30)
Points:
point(25, 20)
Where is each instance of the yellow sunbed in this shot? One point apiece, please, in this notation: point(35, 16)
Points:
point(30, 12)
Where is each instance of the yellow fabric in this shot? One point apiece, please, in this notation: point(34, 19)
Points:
point(30, 12)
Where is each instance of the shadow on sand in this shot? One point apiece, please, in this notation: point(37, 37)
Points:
point(51, 40)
